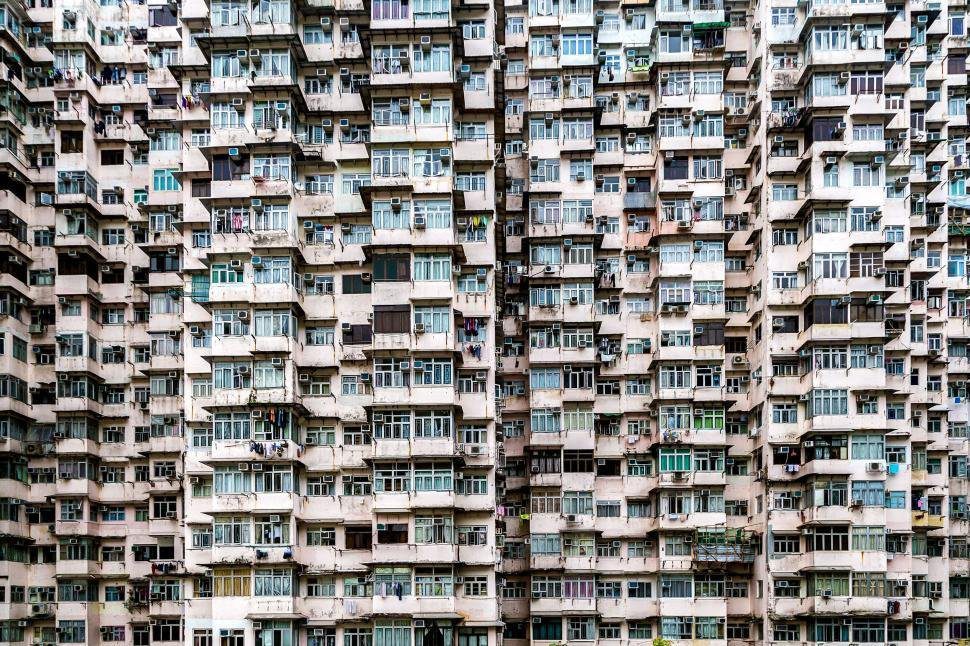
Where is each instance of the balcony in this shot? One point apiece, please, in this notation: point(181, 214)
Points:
point(390, 605)
point(438, 554)
point(639, 201)
point(828, 605)
point(424, 447)
point(391, 71)
point(265, 503)
point(924, 520)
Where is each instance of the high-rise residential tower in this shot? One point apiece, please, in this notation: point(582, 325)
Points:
point(485, 322)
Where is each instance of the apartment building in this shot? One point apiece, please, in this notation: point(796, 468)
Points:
point(413, 322)
point(734, 322)
point(248, 297)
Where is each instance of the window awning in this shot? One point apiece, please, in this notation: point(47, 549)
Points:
point(709, 26)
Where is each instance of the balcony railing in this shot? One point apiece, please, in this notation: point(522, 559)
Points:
point(639, 200)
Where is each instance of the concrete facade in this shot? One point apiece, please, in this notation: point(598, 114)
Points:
point(381, 324)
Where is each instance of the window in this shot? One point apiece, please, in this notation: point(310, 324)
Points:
point(869, 538)
point(164, 180)
point(675, 459)
point(826, 538)
point(829, 402)
point(390, 319)
point(317, 35)
point(829, 265)
point(867, 174)
point(434, 372)
point(783, 16)
point(547, 628)
point(272, 582)
point(71, 632)
point(784, 192)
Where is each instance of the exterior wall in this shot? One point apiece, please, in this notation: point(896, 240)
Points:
point(405, 323)
point(258, 162)
point(713, 177)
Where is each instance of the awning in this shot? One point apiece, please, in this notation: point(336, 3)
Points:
point(293, 616)
point(453, 616)
point(709, 26)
